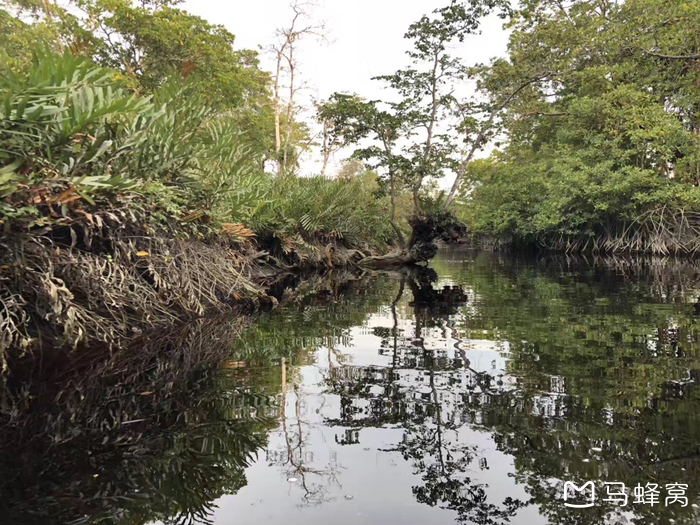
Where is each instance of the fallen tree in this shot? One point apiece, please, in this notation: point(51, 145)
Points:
point(426, 230)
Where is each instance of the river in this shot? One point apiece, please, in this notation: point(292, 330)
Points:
point(469, 392)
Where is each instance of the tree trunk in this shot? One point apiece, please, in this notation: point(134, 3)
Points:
point(392, 219)
point(416, 254)
point(326, 149)
point(290, 108)
point(278, 112)
point(486, 126)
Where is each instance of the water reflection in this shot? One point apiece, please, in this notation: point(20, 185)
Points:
point(468, 391)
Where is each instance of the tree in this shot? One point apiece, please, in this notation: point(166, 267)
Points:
point(286, 63)
point(24, 24)
point(603, 137)
point(330, 142)
point(417, 135)
point(353, 120)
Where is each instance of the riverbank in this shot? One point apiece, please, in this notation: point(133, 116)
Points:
point(655, 233)
point(124, 208)
point(108, 277)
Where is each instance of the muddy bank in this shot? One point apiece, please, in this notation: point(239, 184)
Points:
point(106, 278)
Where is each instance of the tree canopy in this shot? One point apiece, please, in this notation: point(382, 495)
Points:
point(607, 133)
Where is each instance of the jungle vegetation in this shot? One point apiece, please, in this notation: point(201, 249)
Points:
point(137, 145)
point(154, 109)
point(602, 151)
point(590, 124)
point(590, 120)
point(131, 132)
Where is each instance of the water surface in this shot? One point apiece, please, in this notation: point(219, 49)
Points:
point(466, 392)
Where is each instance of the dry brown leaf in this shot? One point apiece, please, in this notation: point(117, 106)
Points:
point(237, 230)
point(65, 196)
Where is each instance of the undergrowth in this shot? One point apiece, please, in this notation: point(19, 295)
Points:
point(120, 212)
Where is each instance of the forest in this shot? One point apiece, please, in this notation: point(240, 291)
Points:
point(147, 161)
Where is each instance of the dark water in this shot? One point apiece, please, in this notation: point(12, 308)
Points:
point(469, 392)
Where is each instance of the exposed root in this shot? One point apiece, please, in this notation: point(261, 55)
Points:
point(70, 294)
point(13, 323)
point(426, 231)
point(300, 254)
point(104, 278)
point(661, 231)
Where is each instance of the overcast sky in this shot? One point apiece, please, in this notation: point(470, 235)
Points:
point(365, 39)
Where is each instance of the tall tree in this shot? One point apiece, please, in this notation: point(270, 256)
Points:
point(415, 134)
point(603, 127)
point(285, 51)
point(355, 120)
point(150, 41)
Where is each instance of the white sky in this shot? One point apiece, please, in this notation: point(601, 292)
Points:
point(365, 40)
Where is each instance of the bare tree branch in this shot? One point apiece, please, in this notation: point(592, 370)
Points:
point(672, 57)
point(541, 114)
point(285, 59)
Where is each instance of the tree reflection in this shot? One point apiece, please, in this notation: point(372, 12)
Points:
point(594, 377)
point(298, 459)
point(155, 433)
point(600, 384)
point(605, 367)
point(415, 393)
point(161, 430)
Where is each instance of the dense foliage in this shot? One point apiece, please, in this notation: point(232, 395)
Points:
point(594, 113)
point(409, 136)
point(136, 147)
point(602, 136)
point(152, 109)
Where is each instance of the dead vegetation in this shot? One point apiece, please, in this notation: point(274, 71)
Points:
point(106, 277)
point(662, 231)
